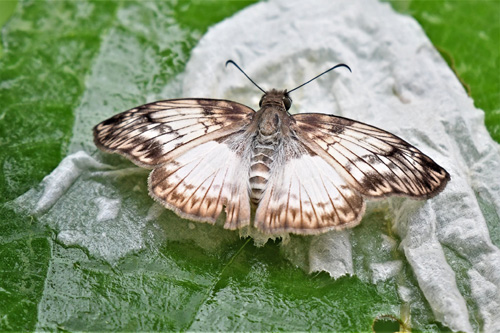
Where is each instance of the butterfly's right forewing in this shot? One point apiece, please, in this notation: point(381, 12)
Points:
point(155, 133)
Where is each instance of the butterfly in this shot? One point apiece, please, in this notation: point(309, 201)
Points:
point(306, 173)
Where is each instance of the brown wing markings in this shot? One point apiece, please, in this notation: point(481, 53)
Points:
point(182, 180)
point(300, 210)
point(199, 103)
point(121, 137)
point(419, 181)
point(365, 145)
point(204, 113)
point(433, 169)
point(315, 211)
point(168, 133)
point(114, 140)
point(394, 147)
point(167, 175)
point(186, 200)
point(222, 187)
point(209, 187)
point(412, 186)
point(362, 159)
point(121, 122)
point(105, 131)
point(129, 139)
point(340, 164)
point(352, 165)
point(131, 129)
point(331, 201)
point(347, 202)
point(321, 120)
point(312, 206)
point(287, 205)
point(416, 179)
point(272, 221)
point(397, 144)
point(401, 182)
point(377, 156)
point(405, 151)
point(171, 130)
point(198, 191)
point(372, 131)
point(267, 207)
point(327, 213)
point(394, 154)
point(207, 119)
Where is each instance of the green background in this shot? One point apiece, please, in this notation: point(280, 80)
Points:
point(48, 49)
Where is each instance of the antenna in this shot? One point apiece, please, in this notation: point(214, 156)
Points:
point(255, 84)
point(314, 78)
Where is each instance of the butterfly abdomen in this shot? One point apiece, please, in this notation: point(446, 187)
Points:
point(263, 151)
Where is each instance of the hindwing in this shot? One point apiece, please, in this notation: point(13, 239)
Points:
point(306, 195)
point(199, 183)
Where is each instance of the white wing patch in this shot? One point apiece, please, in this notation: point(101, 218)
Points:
point(307, 196)
point(197, 184)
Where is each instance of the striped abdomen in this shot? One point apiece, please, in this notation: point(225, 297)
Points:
point(260, 165)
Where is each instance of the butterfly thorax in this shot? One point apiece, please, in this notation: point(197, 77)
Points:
point(272, 122)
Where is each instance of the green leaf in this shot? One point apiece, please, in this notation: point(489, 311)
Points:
point(50, 51)
point(7, 7)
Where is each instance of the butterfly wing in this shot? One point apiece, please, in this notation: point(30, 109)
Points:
point(197, 184)
point(374, 162)
point(152, 134)
point(306, 195)
point(196, 148)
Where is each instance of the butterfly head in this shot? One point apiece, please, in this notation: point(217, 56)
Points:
point(276, 98)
